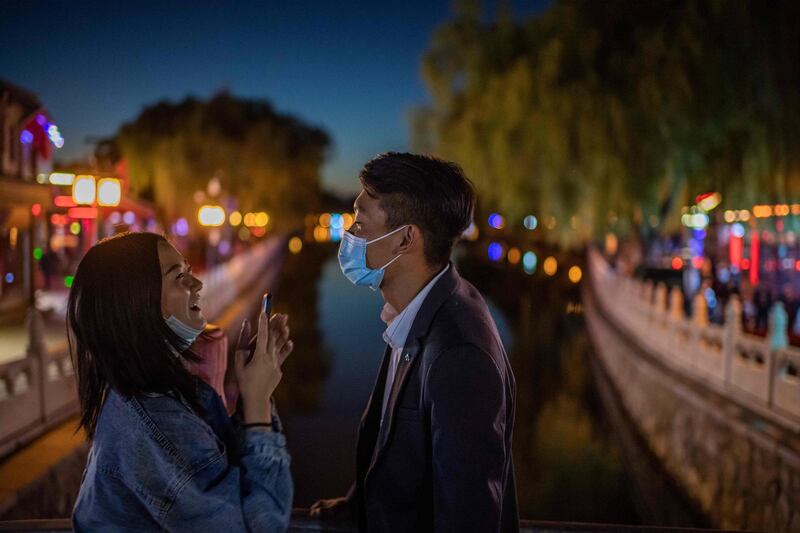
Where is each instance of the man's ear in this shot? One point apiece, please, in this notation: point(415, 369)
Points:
point(412, 239)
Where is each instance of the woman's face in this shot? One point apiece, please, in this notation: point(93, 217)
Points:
point(180, 290)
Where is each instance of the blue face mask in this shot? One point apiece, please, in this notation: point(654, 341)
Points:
point(187, 333)
point(353, 260)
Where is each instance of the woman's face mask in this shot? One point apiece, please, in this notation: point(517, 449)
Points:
point(353, 260)
point(187, 333)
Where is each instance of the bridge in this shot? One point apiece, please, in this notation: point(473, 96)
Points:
point(718, 407)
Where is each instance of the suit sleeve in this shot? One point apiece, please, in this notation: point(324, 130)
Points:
point(466, 401)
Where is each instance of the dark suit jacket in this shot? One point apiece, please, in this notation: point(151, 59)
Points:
point(442, 460)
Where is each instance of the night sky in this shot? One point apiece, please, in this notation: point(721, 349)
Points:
point(352, 68)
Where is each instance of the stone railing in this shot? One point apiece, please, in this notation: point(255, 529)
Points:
point(300, 524)
point(38, 391)
point(223, 283)
point(741, 366)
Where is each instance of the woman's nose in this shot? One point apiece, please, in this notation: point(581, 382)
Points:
point(194, 283)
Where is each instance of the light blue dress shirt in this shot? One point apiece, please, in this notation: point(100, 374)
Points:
point(398, 326)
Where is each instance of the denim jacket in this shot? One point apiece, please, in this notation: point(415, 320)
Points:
point(156, 465)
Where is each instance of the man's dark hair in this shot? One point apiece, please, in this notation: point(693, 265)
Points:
point(426, 191)
point(117, 335)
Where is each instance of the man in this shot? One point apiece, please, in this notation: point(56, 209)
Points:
point(434, 445)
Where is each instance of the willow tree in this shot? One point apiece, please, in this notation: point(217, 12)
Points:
point(617, 112)
point(266, 160)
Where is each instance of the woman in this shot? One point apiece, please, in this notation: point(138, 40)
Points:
point(165, 455)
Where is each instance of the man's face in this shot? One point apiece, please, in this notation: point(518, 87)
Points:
point(370, 223)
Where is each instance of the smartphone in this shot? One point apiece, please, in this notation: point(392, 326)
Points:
point(266, 303)
point(266, 308)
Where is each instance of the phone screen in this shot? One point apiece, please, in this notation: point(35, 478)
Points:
point(266, 303)
point(266, 308)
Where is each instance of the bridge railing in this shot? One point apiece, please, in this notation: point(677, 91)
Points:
point(223, 283)
point(38, 392)
point(301, 523)
point(737, 364)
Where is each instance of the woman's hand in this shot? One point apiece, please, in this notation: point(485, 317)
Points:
point(259, 378)
point(284, 329)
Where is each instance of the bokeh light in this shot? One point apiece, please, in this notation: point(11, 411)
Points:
point(347, 220)
point(211, 215)
point(182, 227)
point(295, 245)
point(84, 190)
point(550, 266)
point(575, 274)
point(495, 251)
point(109, 192)
point(261, 219)
point(529, 261)
point(497, 221)
point(530, 222)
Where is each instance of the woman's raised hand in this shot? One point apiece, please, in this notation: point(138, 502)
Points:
point(259, 378)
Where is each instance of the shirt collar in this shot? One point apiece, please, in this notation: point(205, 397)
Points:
point(399, 324)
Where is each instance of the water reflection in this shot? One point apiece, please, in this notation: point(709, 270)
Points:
point(341, 333)
point(567, 465)
point(307, 370)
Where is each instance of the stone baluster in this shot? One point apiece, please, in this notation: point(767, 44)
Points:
point(36, 351)
point(778, 327)
point(733, 328)
point(676, 303)
point(648, 291)
point(661, 298)
point(700, 310)
point(778, 335)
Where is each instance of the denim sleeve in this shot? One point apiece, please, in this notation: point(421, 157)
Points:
point(255, 495)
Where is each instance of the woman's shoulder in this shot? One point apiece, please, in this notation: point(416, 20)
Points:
point(158, 428)
point(149, 447)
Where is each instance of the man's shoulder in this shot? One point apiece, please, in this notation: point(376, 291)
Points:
point(463, 320)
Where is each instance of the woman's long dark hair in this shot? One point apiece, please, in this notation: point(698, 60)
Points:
point(117, 335)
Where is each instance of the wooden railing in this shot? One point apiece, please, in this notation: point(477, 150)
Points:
point(38, 391)
point(737, 364)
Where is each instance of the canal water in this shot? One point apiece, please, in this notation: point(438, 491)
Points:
point(567, 464)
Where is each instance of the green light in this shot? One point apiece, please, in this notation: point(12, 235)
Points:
point(37, 253)
point(68, 281)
